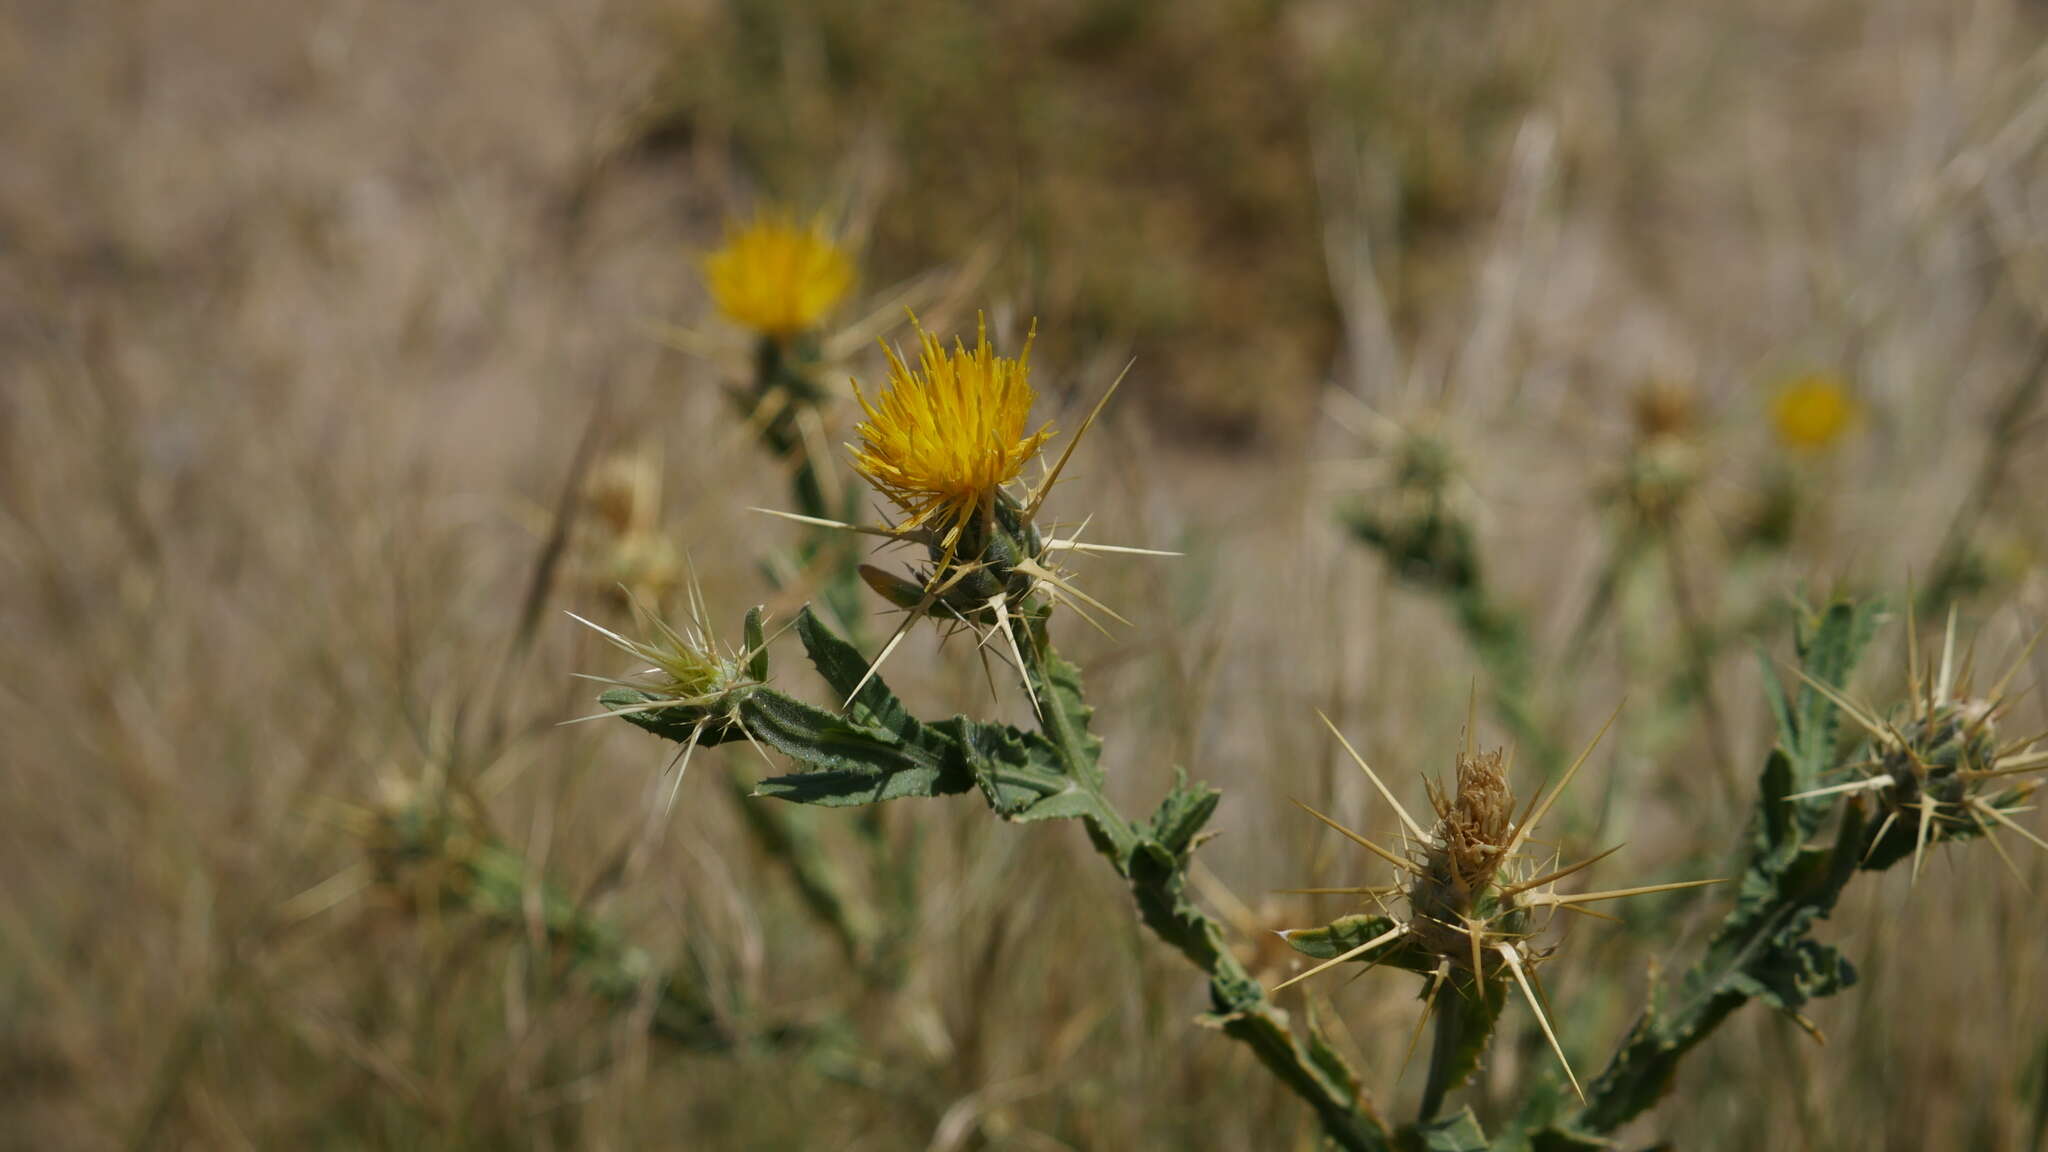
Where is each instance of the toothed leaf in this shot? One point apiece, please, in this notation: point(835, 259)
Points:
point(843, 667)
point(1761, 950)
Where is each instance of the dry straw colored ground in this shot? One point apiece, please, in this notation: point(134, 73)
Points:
point(305, 310)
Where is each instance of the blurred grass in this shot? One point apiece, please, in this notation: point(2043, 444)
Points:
point(1146, 171)
point(304, 310)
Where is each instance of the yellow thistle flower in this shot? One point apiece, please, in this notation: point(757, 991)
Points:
point(776, 277)
point(1811, 412)
point(945, 436)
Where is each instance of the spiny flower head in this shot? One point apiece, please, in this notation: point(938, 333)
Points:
point(1414, 505)
point(685, 665)
point(777, 277)
point(1476, 820)
point(1811, 412)
point(1938, 771)
point(690, 683)
point(944, 441)
point(1465, 891)
point(945, 436)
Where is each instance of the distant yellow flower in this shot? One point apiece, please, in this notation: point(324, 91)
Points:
point(777, 277)
point(944, 436)
point(1811, 412)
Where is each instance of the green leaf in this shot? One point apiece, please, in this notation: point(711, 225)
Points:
point(1015, 770)
point(843, 668)
point(1064, 707)
point(1348, 932)
point(757, 646)
point(1328, 1060)
point(1762, 950)
point(1828, 646)
point(1181, 816)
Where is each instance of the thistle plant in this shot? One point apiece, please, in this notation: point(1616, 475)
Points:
point(1472, 898)
point(777, 277)
point(1938, 771)
point(687, 674)
point(946, 441)
point(1420, 513)
point(1470, 902)
point(779, 280)
point(429, 849)
point(1808, 417)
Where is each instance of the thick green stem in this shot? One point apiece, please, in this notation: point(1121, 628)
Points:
point(1442, 1053)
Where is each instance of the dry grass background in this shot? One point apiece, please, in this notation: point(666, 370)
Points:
point(306, 309)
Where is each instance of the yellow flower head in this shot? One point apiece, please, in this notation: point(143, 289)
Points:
point(1811, 412)
point(776, 277)
point(944, 436)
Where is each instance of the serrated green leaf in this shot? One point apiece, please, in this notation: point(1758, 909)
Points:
point(1064, 708)
point(1829, 647)
point(1762, 950)
point(843, 667)
point(1015, 770)
point(1183, 813)
point(1328, 1060)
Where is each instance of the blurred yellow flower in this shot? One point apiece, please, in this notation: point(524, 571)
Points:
point(944, 436)
point(1811, 412)
point(777, 277)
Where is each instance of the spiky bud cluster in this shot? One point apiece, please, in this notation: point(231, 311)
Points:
point(691, 684)
point(1941, 755)
point(1940, 774)
point(1471, 893)
point(1458, 895)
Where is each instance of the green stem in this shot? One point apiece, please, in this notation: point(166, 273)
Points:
point(1152, 858)
point(1443, 1042)
point(788, 834)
